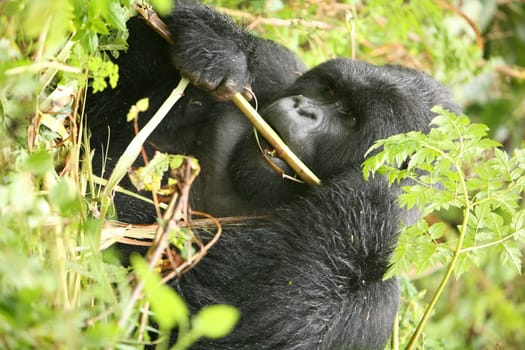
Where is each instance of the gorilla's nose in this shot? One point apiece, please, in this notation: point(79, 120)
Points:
point(305, 107)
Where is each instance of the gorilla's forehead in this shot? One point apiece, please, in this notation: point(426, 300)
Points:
point(344, 69)
point(361, 84)
point(352, 77)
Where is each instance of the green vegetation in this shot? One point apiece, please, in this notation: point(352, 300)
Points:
point(455, 166)
point(59, 290)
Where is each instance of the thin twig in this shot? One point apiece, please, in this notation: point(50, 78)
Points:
point(203, 251)
point(479, 37)
point(279, 22)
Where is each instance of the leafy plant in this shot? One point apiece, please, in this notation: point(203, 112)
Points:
point(59, 291)
point(457, 167)
point(169, 310)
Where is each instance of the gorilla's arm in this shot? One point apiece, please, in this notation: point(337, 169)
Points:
point(309, 277)
point(222, 58)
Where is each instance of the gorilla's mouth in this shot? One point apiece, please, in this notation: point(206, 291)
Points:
point(273, 159)
point(266, 149)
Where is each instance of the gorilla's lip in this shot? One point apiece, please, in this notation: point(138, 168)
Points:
point(273, 159)
point(264, 146)
point(267, 149)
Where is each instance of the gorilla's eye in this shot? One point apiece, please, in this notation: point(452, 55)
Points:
point(329, 91)
point(352, 121)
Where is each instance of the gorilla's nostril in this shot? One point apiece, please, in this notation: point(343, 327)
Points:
point(296, 101)
point(307, 114)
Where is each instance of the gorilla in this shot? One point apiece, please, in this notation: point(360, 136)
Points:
point(307, 273)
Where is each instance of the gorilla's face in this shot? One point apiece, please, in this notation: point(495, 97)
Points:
point(330, 117)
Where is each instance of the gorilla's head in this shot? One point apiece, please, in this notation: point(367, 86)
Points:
point(330, 117)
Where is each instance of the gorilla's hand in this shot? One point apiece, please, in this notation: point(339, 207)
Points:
point(210, 50)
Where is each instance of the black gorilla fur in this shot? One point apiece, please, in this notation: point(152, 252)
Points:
point(310, 275)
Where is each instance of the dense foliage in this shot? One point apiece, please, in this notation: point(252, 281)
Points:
point(461, 265)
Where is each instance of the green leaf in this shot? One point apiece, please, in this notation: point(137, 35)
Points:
point(518, 224)
point(215, 321)
point(64, 196)
point(511, 255)
point(168, 307)
point(115, 16)
point(176, 161)
point(142, 105)
point(465, 262)
point(39, 162)
point(163, 7)
point(99, 26)
point(437, 230)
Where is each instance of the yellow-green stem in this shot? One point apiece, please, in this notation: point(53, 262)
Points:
point(450, 269)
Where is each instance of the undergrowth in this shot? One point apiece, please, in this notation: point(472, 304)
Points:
point(61, 287)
